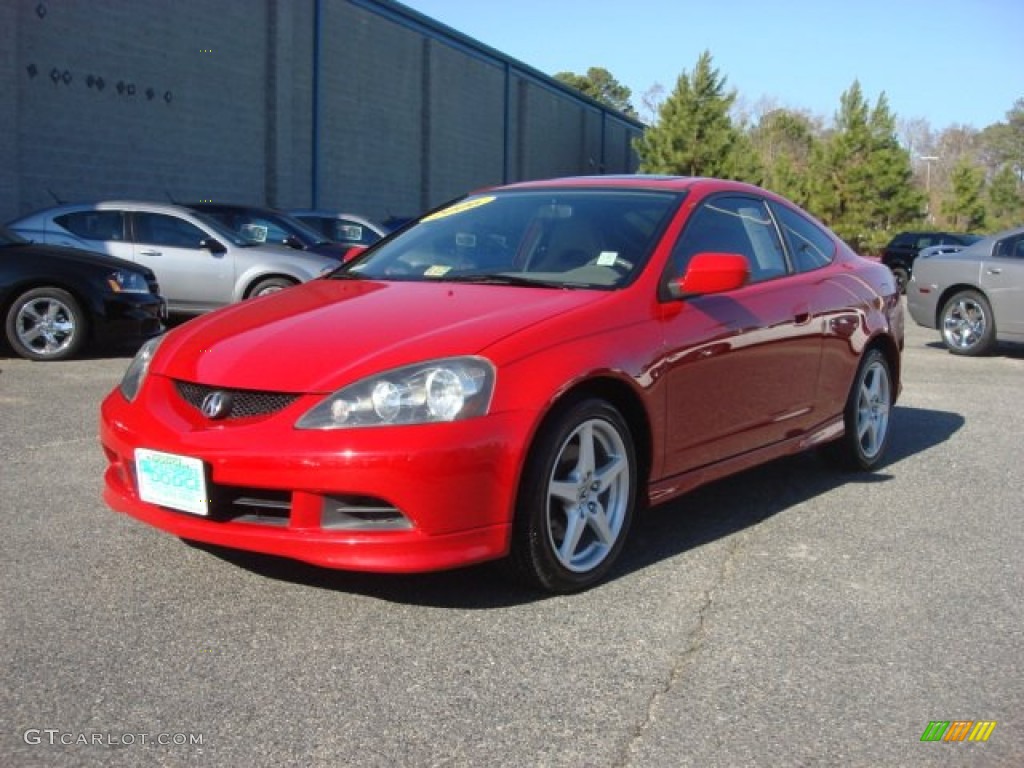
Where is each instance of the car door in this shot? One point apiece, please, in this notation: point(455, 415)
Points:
point(1002, 279)
point(192, 277)
point(742, 366)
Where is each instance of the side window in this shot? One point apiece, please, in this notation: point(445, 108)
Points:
point(810, 246)
point(161, 229)
point(732, 225)
point(94, 225)
point(1010, 248)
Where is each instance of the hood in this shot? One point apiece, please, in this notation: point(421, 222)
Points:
point(31, 250)
point(324, 334)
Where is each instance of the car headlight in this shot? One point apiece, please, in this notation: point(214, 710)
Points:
point(126, 281)
point(436, 391)
point(132, 380)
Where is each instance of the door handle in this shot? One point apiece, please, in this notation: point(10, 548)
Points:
point(149, 253)
point(994, 271)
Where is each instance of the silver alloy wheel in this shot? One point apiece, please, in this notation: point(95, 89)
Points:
point(873, 401)
point(964, 322)
point(46, 326)
point(588, 496)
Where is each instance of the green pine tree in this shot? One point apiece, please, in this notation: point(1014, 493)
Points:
point(860, 181)
point(600, 85)
point(1005, 201)
point(966, 208)
point(784, 142)
point(694, 135)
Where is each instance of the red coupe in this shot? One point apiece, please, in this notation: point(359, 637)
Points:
point(512, 377)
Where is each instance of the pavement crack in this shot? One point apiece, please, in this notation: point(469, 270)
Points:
point(696, 640)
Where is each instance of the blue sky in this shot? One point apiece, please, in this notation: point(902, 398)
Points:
point(950, 62)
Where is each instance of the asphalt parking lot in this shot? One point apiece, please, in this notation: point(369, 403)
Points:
point(793, 616)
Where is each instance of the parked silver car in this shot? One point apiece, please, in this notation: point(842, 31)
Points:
point(199, 263)
point(975, 296)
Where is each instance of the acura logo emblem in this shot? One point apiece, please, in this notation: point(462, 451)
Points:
point(216, 405)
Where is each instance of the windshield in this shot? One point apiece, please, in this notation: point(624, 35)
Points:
point(222, 231)
point(591, 238)
point(260, 227)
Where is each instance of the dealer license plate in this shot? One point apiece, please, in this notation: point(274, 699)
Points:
point(178, 482)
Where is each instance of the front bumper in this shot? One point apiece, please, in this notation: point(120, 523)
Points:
point(131, 318)
point(275, 489)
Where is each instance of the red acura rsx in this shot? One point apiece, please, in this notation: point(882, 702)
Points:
point(512, 377)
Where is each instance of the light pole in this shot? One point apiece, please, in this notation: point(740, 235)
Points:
point(928, 184)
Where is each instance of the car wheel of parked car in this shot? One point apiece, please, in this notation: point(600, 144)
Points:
point(902, 278)
point(270, 285)
point(46, 324)
point(577, 499)
point(968, 327)
point(866, 416)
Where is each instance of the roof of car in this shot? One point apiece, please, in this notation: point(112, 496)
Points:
point(208, 206)
point(635, 181)
point(128, 205)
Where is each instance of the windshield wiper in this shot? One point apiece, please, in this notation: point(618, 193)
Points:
point(504, 279)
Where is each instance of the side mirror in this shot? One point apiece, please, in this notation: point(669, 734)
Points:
point(213, 245)
point(293, 242)
point(711, 273)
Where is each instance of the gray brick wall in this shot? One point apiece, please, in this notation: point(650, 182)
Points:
point(197, 99)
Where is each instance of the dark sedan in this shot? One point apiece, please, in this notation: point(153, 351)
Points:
point(267, 225)
point(54, 300)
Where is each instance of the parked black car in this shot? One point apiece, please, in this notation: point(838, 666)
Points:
point(269, 225)
point(901, 251)
point(54, 299)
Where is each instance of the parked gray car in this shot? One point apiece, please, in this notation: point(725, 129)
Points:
point(975, 296)
point(199, 263)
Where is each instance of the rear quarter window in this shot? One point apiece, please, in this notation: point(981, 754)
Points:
point(809, 245)
point(94, 225)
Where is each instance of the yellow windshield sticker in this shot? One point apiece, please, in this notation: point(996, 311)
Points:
point(465, 205)
point(438, 270)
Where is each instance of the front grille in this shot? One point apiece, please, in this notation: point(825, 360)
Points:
point(243, 402)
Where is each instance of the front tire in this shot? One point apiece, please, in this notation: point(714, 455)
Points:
point(967, 325)
point(46, 324)
point(577, 499)
point(866, 416)
point(270, 285)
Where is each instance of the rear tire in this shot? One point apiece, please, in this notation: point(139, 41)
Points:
point(967, 324)
point(866, 416)
point(577, 499)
